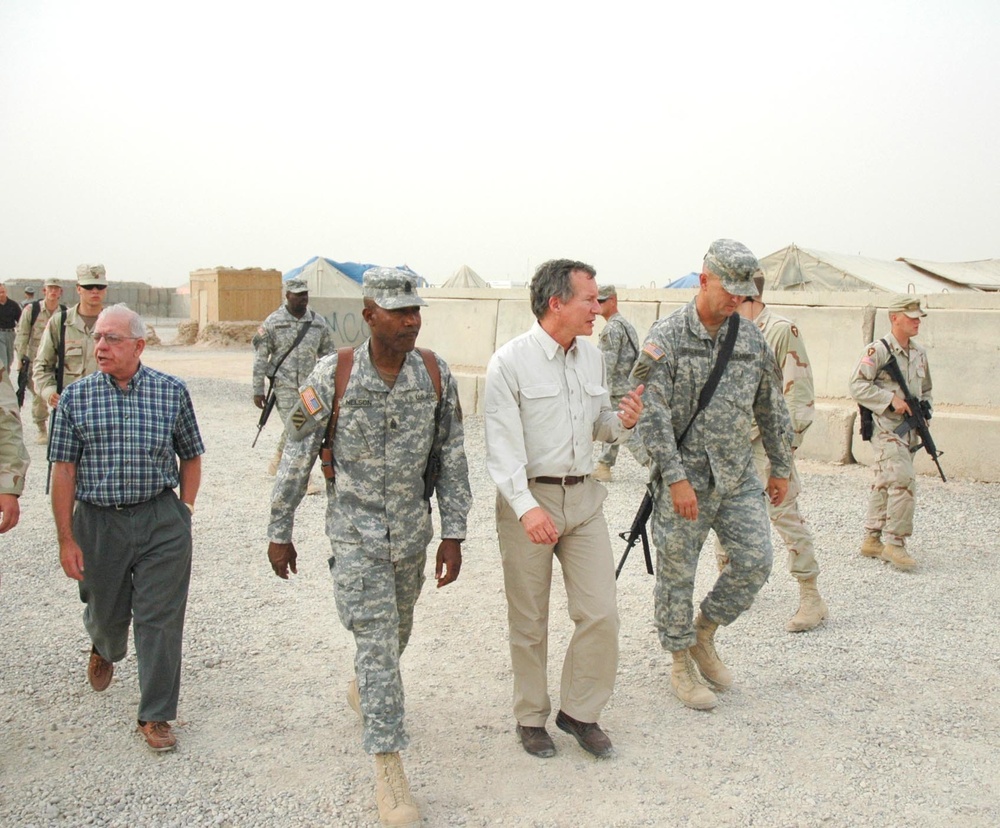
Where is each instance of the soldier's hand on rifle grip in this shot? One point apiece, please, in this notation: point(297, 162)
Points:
point(899, 406)
point(282, 557)
point(258, 400)
point(685, 500)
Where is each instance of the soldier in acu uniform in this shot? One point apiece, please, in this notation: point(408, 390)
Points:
point(377, 519)
point(893, 495)
point(274, 342)
point(797, 381)
point(708, 481)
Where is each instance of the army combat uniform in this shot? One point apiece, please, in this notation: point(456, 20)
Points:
point(716, 459)
point(893, 493)
point(378, 523)
point(619, 343)
point(80, 359)
point(273, 339)
point(14, 458)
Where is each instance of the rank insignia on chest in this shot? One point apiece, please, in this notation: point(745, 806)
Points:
point(310, 400)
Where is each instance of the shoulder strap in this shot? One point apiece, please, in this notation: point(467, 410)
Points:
point(894, 370)
point(345, 361)
point(61, 352)
point(303, 330)
point(431, 364)
point(36, 308)
point(713, 378)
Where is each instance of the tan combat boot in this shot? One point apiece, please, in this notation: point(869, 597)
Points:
point(703, 652)
point(602, 473)
point(871, 546)
point(354, 697)
point(396, 808)
point(272, 467)
point(898, 557)
point(43, 434)
point(812, 608)
point(687, 684)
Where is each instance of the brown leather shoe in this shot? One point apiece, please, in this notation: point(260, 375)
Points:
point(158, 735)
point(99, 671)
point(589, 734)
point(536, 741)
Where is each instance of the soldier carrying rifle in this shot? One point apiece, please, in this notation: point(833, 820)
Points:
point(893, 382)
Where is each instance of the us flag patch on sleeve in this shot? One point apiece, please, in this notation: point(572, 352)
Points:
point(654, 351)
point(310, 400)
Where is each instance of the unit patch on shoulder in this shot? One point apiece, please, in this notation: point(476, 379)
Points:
point(313, 404)
point(795, 332)
point(298, 418)
point(871, 352)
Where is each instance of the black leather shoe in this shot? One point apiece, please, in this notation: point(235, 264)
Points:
point(536, 741)
point(589, 734)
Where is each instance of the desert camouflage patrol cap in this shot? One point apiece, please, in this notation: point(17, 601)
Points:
point(51, 283)
point(733, 262)
point(91, 274)
point(391, 289)
point(296, 286)
point(605, 292)
point(906, 304)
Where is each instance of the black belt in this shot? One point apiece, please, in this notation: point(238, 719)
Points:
point(560, 481)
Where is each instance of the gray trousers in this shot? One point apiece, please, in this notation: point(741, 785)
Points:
point(7, 349)
point(136, 568)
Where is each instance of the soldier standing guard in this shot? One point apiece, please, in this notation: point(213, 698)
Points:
point(702, 470)
point(287, 352)
point(391, 415)
point(893, 495)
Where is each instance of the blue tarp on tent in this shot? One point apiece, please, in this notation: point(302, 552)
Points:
point(689, 281)
point(352, 270)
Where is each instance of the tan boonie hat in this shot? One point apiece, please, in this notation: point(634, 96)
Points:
point(296, 286)
point(734, 264)
point(391, 289)
point(908, 305)
point(88, 274)
point(605, 292)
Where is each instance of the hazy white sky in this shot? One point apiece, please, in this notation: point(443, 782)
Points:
point(160, 138)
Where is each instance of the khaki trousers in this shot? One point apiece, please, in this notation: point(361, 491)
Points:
point(584, 553)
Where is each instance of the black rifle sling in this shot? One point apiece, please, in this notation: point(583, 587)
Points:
point(301, 335)
point(713, 379)
point(894, 370)
point(61, 353)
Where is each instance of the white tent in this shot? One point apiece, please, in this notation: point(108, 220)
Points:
point(796, 268)
point(981, 275)
point(324, 279)
point(466, 277)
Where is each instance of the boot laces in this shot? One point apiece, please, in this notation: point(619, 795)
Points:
point(393, 773)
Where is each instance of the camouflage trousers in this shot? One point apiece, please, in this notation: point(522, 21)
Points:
point(634, 444)
point(787, 519)
point(285, 402)
point(740, 521)
point(375, 601)
point(893, 495)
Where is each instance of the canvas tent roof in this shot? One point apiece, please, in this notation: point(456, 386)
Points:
point(981, 275)
point(466, 277)
point(797, 268)
point(326, 277)
point(690, 280)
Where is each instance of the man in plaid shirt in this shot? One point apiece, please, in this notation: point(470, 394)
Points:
point(115, 444)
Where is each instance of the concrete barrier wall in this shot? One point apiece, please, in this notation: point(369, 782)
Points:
point(961, 332)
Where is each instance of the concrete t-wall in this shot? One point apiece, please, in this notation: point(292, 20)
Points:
point(961, 332)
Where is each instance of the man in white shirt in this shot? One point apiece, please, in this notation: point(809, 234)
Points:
point(546, 403)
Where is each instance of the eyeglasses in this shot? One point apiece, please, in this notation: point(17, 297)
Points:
point(112, 339)
point(94, 287)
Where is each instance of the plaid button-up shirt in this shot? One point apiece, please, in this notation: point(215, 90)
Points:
point(125, 443)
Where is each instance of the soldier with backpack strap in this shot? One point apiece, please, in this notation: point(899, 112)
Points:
point(30, 327)
point(376, 416)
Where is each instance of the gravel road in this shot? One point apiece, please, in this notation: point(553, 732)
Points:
point(885, 716)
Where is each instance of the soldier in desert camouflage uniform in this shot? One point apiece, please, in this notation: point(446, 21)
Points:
point(26, 342)
point(709, 482)
point(378, 523)
point(893, 495)
point(790, 352)
point(13, 456)
point(273, 340)
point(619, 343)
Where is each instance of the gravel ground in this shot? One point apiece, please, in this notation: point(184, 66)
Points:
point(885, 716)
